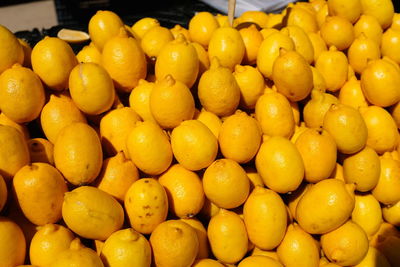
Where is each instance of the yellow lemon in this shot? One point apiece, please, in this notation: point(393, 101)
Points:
point(274, 113)
point(316, 143)
point(333, 66)
point(174, 243)
point(382, 10)
point(293, 199)
point(240, 137)
point(298, 248)
point(41, 150)
point(257, 17)
point(352, 95)
point(315, 109)
point(14, 152)
point(252, 39)
point(337, 31)
point(207, 263)
point(102, 26)
point(318, 44)
point(57, 113)
point(194, 146)
point(322, 14)
point(218, 90)
point(259, 260)
point(184, 190)
point(178, 29)
point(350, 10)
point(149, 148)
point(269, 51)
point(268, 31)
point(251, 84)
point(370, 27)
point(374, 258)
point(227, 45)
point(154, 40)
point(11, 49)
point(22, 96)
point(383, 135)
point(49, 241)
point(280, 164)
point(346, 245)
point(390, 44)
point(301, 40)
point(117, 174)
point(173, 56)
point(91, 88)
point(301, 17)
point(362, 169)
point(146, 205)
point(204, 61)
point(347, 127)
point(115, 127)
point(325, 206)
point(125, 61)
point(126, 247)
point(265, 218)
point(13, 244)
point(226, 184)
point(89, 53)
point(388, 187)
point(78, 154)
point(40, 187)
point(212, 121)
point(141, 26)
point(367, 213)
point(52, 60)
point(201, 231)
point(201, 27)
point(391, 213)
point(79, 255)
point(171, 102)
point(292, 75)
point(139, 99)
point(22, 128)
point(227, 236)
point(361, 51)
point(92, 213)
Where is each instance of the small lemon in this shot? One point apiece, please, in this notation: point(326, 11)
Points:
point(361, 51)
point(315, 109)
point(352, 95)
point(141, 26)
point(367, 213)
point(154, 40)
point(201, 27)
point(370, 27)
point(139, 99)
point(89, 53)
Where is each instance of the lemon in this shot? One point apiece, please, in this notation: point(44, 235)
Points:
point(292, 75)
point(352, 95)
point(141, 26)
point(209, 119)
point(301, 40)
point(363, 169)
point(314, 211)
point(251, 84)
point(361, 51)
point(14, 153)
point(73, 36)
point(373, 258)
point(265, 218)
point(252, 39)
point(178, 29)
point(346, 245)
point(125, 61)
point(173, 56)
point(333, 66)
point(390, 44)
point(174, 243)
point(367, 213)
point(317, 143)
point(49, 241)
point(204, 61)
point(218, 90)
point(298, 248)
point(89, 53)
point(207, 263)
point(391, 213)
point(117, 174)
point(13, 245)
point(382, 10)
point(11, 50)
point(58, 112)
point(139, 99)
point(226, 184)
point(386, 191)
point(201, 27)
point(259, 260)
point(280, 164)
point(227, 45)
point(347, 127)
point(318, 44)
point(240, 137)
point(126, 247)
point(184, 190)
point(227, 235)
point(350, 10)
point(22, 128)
point(171, 102)
point(370, 27)
point(149, 148)
point(148, 209)
point(22, 94)
point(201, 231)
point(301, 17)
point(52, 60)
point(274, 113)
point(154, 40)
point(77, 254)
point(78, 153)
point(383, 135)
point(315, 109)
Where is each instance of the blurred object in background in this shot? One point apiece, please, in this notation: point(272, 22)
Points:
point(269, 6)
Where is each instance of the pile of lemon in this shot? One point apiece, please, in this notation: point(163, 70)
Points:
point(269, 142)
